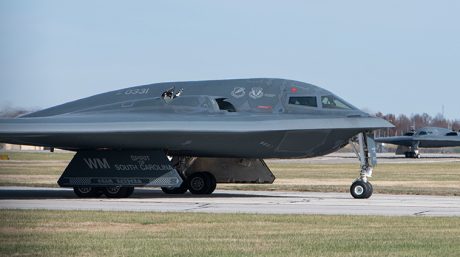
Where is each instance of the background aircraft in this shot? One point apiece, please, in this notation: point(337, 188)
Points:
point(428, 137)
point(191, 135)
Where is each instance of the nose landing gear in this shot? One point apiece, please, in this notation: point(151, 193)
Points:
point(361, 187)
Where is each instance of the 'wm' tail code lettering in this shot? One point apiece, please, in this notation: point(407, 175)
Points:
point(97, 163)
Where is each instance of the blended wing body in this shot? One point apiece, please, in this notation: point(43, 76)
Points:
point(424, 141)
point(428, 137)
point(239, 135)
point(213, 131)
point(230, 118)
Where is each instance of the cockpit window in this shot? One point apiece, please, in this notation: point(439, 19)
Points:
point(304, 101)
point(422, 133)
point(225, 105)
point(331, 102)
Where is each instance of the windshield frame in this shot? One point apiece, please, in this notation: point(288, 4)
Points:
point(340, 100)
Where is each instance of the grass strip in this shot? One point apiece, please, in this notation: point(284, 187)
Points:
point(94, 233)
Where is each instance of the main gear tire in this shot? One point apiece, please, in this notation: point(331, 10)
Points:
point(175, 190)
point(201, 183)
point(87, 192)
point(118, 192)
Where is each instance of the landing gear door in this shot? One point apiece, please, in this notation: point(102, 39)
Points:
point(120, 168)
point(371, 149)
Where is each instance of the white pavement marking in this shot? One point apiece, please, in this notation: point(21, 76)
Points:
point(232, 201)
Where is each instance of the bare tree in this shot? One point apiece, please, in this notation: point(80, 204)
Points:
point(440, 121)
point(10, 112)
point(403, 123)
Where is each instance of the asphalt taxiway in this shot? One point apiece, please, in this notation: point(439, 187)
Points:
point(231, 201)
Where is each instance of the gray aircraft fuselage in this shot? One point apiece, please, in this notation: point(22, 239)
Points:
point(248, 118)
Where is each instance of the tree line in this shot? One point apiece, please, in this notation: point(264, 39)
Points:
point(405, 123)
point(12, 112)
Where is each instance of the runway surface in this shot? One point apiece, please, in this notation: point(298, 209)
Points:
point(230, 201)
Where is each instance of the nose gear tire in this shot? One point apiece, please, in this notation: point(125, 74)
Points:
point(361, 190)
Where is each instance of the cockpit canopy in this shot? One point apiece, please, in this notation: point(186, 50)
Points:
point(435, 131)
point(325, 102)
point(309, 101)
point(423, 133)
point(333, 102)
point(227, 96)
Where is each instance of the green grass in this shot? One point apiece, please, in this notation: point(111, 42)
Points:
point(33, 168)
point(385, 171)
point(90, 233)
point(44, 169)
point(41, 156)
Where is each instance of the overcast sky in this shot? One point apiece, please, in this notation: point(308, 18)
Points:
point(390, 56)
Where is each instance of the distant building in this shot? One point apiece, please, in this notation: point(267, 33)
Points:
point(11, 147)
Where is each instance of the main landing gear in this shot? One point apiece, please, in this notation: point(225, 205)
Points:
point(361, 187)
point(109, 192)
point(414, 155)
point(199, 183)
point(413, 151)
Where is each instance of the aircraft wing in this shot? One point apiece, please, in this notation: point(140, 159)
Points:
point(398, 140)
point(166, 131)
point(422, 141)
point(133, 123)
point(439, 141)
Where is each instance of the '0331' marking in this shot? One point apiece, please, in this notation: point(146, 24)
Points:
point(135, 91)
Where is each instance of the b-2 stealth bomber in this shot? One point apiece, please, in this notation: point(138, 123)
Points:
point(192, 135)
point(427, 137)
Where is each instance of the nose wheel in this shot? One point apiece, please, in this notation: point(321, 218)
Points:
point(361, 190)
